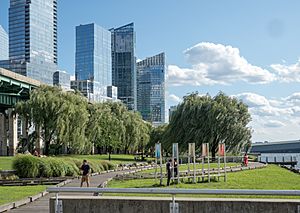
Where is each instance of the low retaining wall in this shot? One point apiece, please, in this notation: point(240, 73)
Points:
point(162, 205)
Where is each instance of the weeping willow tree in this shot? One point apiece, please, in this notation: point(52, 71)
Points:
point(61, 117)
point(66, 119)
point(205, 119)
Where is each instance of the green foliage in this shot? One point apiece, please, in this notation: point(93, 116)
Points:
point(156, 135)
point(205, 119)
point(28, 166)
point(68, 122)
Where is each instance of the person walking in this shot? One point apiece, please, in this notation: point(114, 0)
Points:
point(175, 167)
point(169, 173)
point(85, 168)
point(246, 159)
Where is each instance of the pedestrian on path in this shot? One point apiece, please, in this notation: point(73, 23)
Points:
point(246, 159)
point(168, 165)
point(85, 168)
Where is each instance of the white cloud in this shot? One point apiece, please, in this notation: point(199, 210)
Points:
point(253, 100)
point(174, 98)
point(287, 73)
point(216, 64)
point(274, 124)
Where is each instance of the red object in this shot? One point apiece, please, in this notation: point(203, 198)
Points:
point(246, 160)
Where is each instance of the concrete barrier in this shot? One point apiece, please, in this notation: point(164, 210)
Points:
point(84, 204)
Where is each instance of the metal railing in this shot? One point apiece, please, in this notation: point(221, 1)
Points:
point(170, 191)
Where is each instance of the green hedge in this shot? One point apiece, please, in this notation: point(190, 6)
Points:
point(28, 166)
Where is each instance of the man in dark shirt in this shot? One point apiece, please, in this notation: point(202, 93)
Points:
point(85, 168)
point(169, 172)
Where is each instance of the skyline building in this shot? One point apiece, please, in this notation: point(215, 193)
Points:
point(124, 64)
point(3, 44)
point(151, 88)
point(33, 39)
point(62, 79)
point(93, 66)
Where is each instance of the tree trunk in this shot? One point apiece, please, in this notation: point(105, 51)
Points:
point(109, 151)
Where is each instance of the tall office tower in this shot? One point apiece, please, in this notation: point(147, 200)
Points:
point(3, 44)
point(123, 64)
point(93, 58)
point(33, 38)
point(151, 88)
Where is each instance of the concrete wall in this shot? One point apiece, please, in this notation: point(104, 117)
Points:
point(161, 205)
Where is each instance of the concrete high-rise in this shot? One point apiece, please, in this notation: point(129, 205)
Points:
point(151, 88)
point(124, 64)
point(3, 44)
point(93, 59)
point(33, 39)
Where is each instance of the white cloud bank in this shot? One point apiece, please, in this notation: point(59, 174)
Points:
point(287, 73)
point(270, 114)
point(174, 98)
point(211, 64)
point(216, 64)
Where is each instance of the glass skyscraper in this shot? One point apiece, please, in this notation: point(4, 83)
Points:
point(124, 64)
point(3, 44)
point(151, 88)
point(33, 38)
point(93, 57)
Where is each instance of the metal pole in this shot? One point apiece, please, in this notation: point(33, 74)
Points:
point(194, 169)
point(56, 204)
point(219, 167)
point(208, 168)
point(189, 160)
point(178, 181)
point(225, 173)
point(155, 169)
point(173, 201)
point(161, 176)
point(203, 168)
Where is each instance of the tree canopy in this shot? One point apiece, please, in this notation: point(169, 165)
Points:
point(66, 119)
point(205, 119)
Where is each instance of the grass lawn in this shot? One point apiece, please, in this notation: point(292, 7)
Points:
point(14, 193)
point(271, 177)
point(6, 163)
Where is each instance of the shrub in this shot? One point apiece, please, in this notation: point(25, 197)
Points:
point(26, 166)
point(45, 169)
point(110, 165)
point(96, 167)
point(105, 165)
point(58, 167)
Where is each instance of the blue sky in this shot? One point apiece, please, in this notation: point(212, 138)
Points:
point(249, 49)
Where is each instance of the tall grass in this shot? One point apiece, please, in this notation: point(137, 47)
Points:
point(28, 166)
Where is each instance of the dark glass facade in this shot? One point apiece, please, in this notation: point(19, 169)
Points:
point(124, 64)
point(61, 79)
point(151, 89)
point(3, 44)
point(93, 57)
point(33, 38)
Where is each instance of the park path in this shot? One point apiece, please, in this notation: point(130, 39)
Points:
point(42, 205)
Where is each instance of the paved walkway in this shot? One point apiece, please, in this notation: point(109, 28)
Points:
point(42, 205)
